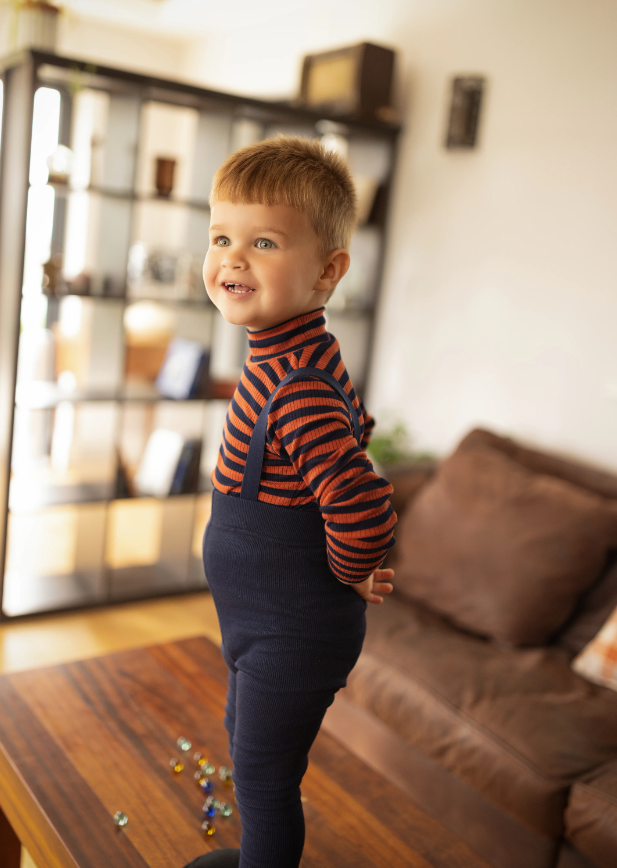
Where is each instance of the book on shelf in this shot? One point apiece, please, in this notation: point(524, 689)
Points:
point(169, 465)
point(186, 476)
point(158, 464)
point(184, 372)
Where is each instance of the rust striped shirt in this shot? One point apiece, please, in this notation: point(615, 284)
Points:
point(311, 459)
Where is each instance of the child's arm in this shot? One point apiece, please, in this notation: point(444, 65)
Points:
point(309, 422)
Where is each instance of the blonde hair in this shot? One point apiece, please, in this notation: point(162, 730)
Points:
point(288, 170)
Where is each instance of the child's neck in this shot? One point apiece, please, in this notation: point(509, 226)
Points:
point(282, 322)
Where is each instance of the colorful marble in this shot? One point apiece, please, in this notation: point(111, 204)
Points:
point(225, 809)
point(176, 764)
point(209, 807)
point(120, 819)
point(208, 827)
point(183, 743)
point(206, 785)
point(208, 768)
point(225, 774)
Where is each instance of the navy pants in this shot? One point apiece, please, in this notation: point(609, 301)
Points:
point(291, 635)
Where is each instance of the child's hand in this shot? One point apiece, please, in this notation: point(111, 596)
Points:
point(374, 583)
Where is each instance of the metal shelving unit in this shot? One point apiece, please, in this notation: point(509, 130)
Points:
point(78, 399)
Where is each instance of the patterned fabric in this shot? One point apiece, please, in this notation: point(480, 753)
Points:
point(598, 660)
point(311, 460)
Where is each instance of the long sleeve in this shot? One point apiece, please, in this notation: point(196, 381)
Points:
point(310, 426)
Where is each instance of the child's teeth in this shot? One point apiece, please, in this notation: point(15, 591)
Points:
point(238, 287)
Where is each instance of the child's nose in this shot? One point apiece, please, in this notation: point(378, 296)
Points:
point(234, 259)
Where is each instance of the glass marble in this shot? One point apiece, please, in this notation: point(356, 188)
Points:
point(208, 827)
point(199, 758)
point(120, 819)
point(209, 808)
point(225, 774)
point(206, 785)
point(199, 776)
point(176, 764)
point(208, 768)
point(183, 743)
point(225, 809)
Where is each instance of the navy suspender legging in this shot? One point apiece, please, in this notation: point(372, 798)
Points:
point(291, 634)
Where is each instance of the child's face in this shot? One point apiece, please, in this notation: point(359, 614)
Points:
point(264, 265)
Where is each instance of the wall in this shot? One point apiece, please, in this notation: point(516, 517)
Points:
point(106, 43)
point(500, 287)
point(500, 304)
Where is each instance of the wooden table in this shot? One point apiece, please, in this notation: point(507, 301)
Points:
point(81, 741)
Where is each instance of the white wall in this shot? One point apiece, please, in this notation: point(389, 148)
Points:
point(500, 292)
point(129, 48)
point(500, 303)
point(500, 296)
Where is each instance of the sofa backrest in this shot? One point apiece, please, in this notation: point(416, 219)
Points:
point(597, 481)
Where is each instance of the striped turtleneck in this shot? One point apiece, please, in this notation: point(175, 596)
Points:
point(311, 459)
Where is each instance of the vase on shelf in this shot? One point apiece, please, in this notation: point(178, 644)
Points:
point(164, 179)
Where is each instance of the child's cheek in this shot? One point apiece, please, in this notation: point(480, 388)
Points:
point(209, 270)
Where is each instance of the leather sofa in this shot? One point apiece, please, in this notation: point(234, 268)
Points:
point(464, 693)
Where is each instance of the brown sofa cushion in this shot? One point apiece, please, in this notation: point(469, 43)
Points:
point(517, 725)
point(591, 817)
point(501, 550)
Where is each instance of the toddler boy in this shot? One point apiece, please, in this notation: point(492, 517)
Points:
point(296, 504)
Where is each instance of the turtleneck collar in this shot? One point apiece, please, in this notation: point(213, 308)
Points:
point(294, 334)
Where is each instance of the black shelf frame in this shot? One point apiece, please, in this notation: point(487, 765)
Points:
point(22, 73)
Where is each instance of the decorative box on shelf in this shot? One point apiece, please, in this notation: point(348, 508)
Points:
point(355, 80)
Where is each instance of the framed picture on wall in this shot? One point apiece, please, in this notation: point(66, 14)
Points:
point(466, 101)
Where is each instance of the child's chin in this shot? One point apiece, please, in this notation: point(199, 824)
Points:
point(235, 317)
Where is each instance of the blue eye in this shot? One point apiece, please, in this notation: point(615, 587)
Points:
point(222, 241)
point(264, 244)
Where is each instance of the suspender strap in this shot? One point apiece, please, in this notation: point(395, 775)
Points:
point(257, 445)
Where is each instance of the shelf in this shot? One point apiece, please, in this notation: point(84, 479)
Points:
point(26, 594)
point(64, 190)
point(45, 396)
point(144, 581)
point(174, 302)
point(37, 395)
point(26, 496)
point(30, 594)
point(133, 299)
point(55, 69)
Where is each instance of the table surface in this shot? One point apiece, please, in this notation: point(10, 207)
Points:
point(79, 742)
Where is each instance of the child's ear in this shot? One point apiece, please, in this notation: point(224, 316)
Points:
point(334, 268)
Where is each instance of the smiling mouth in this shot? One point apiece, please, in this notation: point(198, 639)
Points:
point(239, 288)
